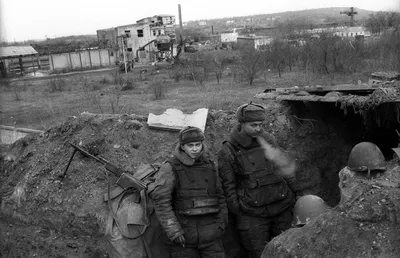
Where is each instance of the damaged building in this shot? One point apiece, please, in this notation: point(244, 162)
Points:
point(148, 40)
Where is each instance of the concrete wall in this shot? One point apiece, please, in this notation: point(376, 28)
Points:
point(229, 37)
point(10, 134)
point(95, 58)
point(85, 59)
point(75, 60)
point(82, 59)
point(105, 57)
point(70, 61)
point(59, 61)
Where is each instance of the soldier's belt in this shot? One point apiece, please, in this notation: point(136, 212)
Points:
point(199, 211)
point(197, 192)
point(266, 180)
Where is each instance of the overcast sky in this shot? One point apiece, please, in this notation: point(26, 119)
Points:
point(37, 19)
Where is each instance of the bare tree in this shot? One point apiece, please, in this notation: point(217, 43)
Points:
point(276, 55)
point(249, 63)
point(380, 22)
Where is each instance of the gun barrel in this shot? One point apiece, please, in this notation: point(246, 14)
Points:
point(87, 154)
point(125, 180)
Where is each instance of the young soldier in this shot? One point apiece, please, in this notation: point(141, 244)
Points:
point(189, 199)
point(255, 177)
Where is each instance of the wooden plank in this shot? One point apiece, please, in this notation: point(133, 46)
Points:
point(341, 88)
point(315, 98)
point(348, 88)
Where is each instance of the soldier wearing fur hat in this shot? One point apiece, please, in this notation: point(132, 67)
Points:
point(189, 199)
point(258, 180)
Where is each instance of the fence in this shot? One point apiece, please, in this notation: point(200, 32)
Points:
point(80, 60)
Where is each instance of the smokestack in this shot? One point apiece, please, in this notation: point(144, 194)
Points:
point(180, 22)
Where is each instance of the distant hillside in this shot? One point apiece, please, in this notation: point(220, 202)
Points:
point(61, 44)
point(312, 16)
point(320, 14)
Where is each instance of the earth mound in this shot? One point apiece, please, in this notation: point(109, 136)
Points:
point(364, 224)
point(43, 216)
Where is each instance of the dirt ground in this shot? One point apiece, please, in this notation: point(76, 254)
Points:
point(364, 224)
point(44, 217)
point(67, 219)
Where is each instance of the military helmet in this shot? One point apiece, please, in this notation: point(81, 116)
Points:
point(366, 156)
point(306, 208)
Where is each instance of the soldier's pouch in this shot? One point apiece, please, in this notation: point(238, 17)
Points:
point(276, 208)
point(259, 193)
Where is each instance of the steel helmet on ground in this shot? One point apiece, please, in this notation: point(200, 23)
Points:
point(306, 208)
point(366, 156)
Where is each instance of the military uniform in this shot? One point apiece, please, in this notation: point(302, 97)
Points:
point(261, 200)
point(189, 201)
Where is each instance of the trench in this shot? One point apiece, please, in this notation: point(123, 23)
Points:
point(324, 135)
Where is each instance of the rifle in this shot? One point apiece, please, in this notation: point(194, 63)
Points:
point(125, 180)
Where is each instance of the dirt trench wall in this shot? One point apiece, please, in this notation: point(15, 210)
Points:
point(68, 218)
point(367, 217)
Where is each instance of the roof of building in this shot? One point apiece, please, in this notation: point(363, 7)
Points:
point(360, 96)
point(16, 51)
point(164, 15)
point(255, 37)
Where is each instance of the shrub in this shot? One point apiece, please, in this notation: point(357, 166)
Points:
point(128, 84)
point(56, 85)
point(17, 95)
point(106, 79)
point(158, 90)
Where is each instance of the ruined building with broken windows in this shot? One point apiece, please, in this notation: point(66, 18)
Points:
point(144, 41)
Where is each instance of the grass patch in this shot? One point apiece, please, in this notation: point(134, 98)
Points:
point(159, 90)
point(106, 92)
point(57, 84)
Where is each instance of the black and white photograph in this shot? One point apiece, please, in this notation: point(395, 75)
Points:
point(200, 129)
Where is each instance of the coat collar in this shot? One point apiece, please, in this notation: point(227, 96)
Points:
point(240, 137)
point(184, 158)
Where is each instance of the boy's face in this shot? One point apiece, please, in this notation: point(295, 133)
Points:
point(193, 149)
point(252, 129)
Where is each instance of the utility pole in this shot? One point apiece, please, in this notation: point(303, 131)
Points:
point(180, 23)
point(123, 51)
point(350, 13)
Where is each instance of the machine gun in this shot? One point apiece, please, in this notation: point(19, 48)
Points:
point(125, 180)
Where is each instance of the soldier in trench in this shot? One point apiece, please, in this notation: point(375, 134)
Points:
point(258, 180)
point(189, 200)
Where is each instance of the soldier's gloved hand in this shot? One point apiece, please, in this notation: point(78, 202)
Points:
point(180, 240)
